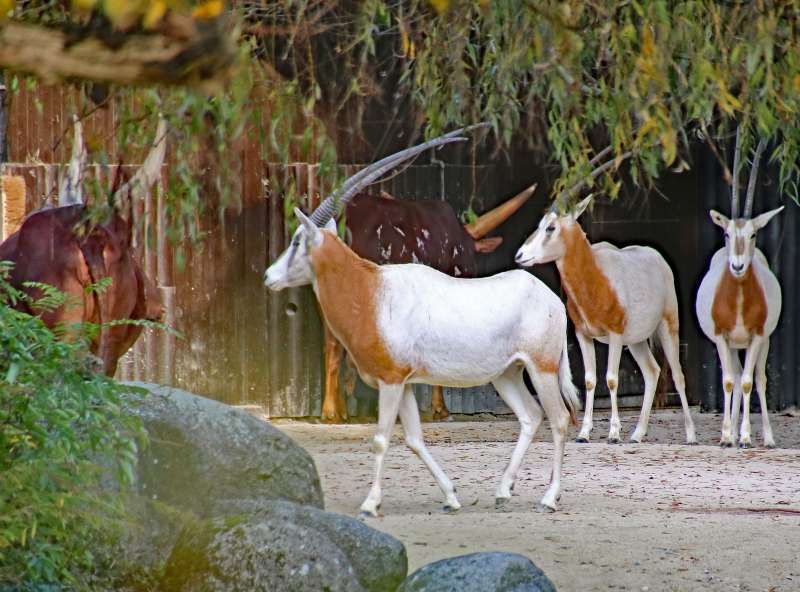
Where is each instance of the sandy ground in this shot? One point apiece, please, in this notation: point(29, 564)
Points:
point(654, 516)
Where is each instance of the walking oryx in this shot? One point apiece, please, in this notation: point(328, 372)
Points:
point(617, 296)
point(738, 305)
point(408, 323)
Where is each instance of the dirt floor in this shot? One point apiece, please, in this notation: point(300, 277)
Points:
point(654, 516)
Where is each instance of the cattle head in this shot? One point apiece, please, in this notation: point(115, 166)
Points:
point(294, 266)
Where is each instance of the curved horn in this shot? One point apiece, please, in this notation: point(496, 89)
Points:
point(567, 193)
point(735, 181)
point(329, 207)
point(751, 185)
point(496, 216)
point(150, 170)
point(70, 191)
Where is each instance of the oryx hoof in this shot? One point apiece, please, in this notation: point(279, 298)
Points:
point(613, 440)
point(500, 502)
point(724, 444)
point(692, 443)
point(449, 509)
point(544, 508)
point(745, 445)
point(769, 445)
point(363, 515)
point(582, 440)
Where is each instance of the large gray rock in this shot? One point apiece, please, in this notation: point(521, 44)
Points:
point(284, 546)
point(479, 572)
point(202, 451)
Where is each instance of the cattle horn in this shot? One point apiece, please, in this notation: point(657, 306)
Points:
point(70, 191)
point(496, 216)
point(751, 185)
point(339, 198)
point(735, 180)
point(150, 171)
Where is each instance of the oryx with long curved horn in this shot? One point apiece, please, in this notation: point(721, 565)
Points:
point(408, 323)
point(616, 296)
point(738, 305)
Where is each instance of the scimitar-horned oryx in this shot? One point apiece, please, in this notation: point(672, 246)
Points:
point(408, 323)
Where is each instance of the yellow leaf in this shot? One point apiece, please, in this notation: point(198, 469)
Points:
point(84, 5)
point(123, 14)
point(797, 83)
point(6, 7)
point(208, 10)
point(440, 5)
point(155, 12)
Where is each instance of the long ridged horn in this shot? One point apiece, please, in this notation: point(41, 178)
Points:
point(735, 181)
point(339, 198)
point(567, 193)
point(496, 216)
point(70, 191)
point(751, 185)
point(150, 171)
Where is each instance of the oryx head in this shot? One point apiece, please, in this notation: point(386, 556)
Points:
point(293, 267)
point(740, 232)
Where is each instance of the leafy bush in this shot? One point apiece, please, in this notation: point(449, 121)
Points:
point(63, 433)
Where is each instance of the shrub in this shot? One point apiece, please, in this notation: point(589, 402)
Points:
point(63, 431)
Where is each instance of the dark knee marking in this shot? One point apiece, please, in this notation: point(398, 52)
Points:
point(612, 383)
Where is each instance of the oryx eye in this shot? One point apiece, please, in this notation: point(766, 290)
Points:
point(752, 236)
point(550, 229)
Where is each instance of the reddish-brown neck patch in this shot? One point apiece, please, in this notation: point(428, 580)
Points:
point(739, 295)
point(592, 299)
point(348, 287)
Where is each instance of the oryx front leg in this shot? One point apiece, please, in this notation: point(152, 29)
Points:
point(590, 381)
point(389, 398)
point(512, 390)
point(761, 385)
point(750, 359)
point(612, 380)
point(409, 416)
point(728, 382)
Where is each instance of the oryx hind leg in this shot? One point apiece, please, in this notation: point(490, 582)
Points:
point(670, 344)
point(514, 393)
point(761, 386)
point(650, 371)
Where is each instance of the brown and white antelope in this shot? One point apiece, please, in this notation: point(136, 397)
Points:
point(408, 323)
point(738, 305)
point(616, 296)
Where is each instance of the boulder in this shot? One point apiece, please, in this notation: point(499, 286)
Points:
point(202, 451)
point(479, 572)
point(284, 546)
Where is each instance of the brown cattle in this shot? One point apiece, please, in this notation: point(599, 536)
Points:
point(387, 230)
point(62, 248)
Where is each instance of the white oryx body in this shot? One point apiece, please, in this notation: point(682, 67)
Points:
point(404, 324)
point(505, 319)
point(616, 296)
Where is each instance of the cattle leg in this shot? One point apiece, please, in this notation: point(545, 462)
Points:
point(590, 381)
point(612, 380)
point(438, 406)
point(761, 385)
point(389, 397)
point(409, 415)
point(334, 406)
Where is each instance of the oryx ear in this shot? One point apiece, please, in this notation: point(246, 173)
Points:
point(581, 207)
point(761, 220)
point(311, 229)
point(718, 219)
